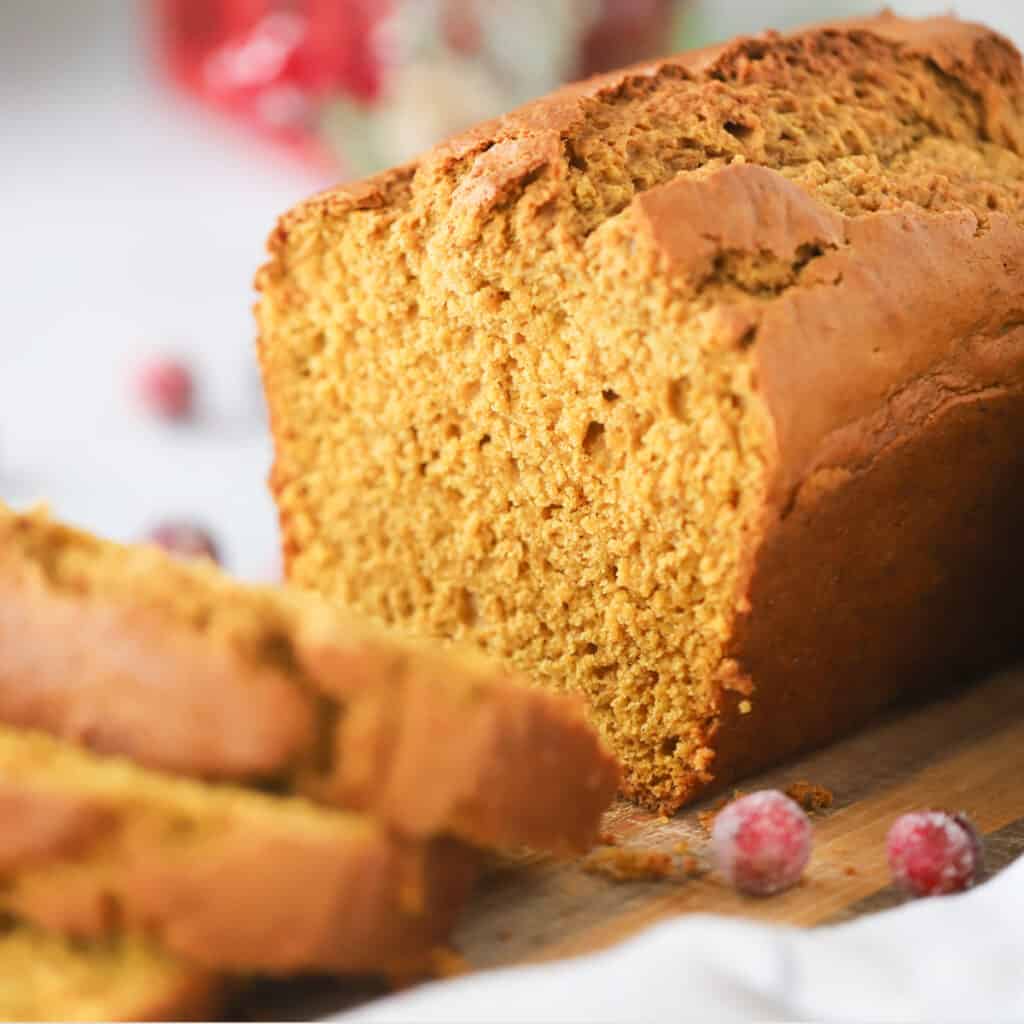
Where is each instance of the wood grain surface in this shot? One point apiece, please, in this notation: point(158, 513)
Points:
point(964, 751)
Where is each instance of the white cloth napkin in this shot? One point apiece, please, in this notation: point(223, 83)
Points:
point(947, 959)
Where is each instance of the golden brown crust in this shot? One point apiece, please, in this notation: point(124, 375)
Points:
point(880, 388)
point(767, 214)
point(871, 380)
point(983, 60)
point(228, 880)
point(896, 543)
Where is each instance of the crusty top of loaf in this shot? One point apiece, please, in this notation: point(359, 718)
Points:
point(984, 62)
point(822, 406)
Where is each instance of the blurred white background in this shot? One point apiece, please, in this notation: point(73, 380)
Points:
point(133, 225)
point(724, 18)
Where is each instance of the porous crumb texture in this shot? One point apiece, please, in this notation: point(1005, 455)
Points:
point(502, 414)
point(129, 651)
point(49, 978)
point(228, 878)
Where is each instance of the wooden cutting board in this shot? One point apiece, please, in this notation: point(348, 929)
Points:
point(962, 752)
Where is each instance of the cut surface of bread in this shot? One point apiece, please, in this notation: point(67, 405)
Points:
point(697, 389)
point(227, 878)
point(127, 650)
point(45, 977)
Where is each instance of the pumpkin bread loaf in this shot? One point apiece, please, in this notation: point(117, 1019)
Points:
point(697, 389)
point(47, 977)
point(227, 878)
point(130, 651)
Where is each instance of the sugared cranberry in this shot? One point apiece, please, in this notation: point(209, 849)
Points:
point(166, 388)
point(185, 540)
point(761, 842)
point(932, 852)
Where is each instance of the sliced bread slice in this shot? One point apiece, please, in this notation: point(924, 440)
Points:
point(127, 650)
point(228, 878)
point(46, 977)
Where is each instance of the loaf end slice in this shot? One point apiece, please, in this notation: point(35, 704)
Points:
point(695, 389)
point(126, 650)
point(48, 977)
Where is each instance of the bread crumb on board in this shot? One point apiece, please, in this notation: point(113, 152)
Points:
point(622, 864)
point(810, 796)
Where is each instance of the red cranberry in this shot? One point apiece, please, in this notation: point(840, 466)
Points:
point(461, 26)
point(761, 842)
point(931, 853)
point(185, 540)
point(166, 388)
